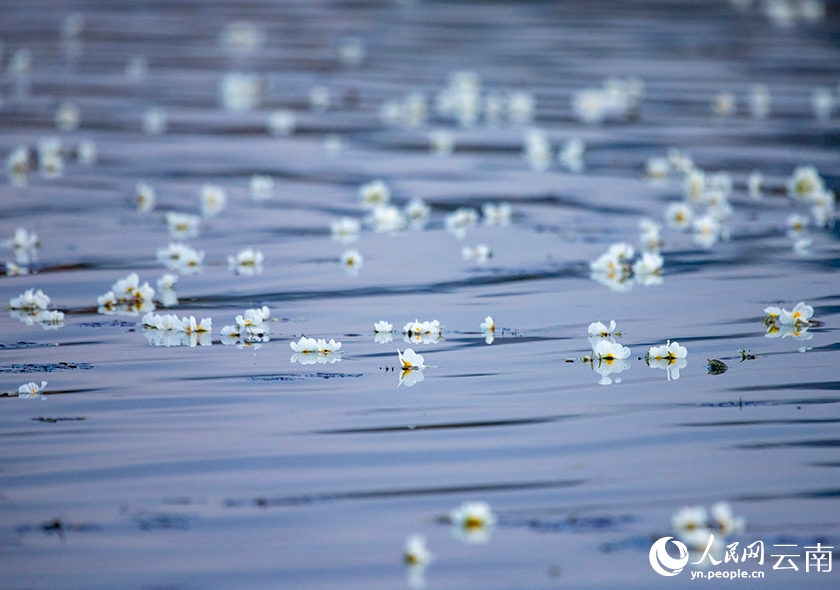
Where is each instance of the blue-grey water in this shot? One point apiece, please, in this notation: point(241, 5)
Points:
point(217, 466)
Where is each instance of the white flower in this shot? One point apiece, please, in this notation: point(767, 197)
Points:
point(319, 98)
point(822, 103)
point(415, 552)
point(241, 92)
point(191, 326)
point(182, 225)
point(51, 319)
point(351, 51)
point(650, 237)
point(261, 187)
point(67, 116)
point(706, 230)
point(50, 157)
point(694, 185)
point(17, 164)
point(144, 198)
point(345, 229)
point(167, 281)
point(500, 214)
point(305, 351)
point(425, 332)
point(759, 101)
point(417, 213)
point(32, 390)
point(441, 142)
point(800, 315)
point(805, 184)
point(387, 219)
point(823, 208)
point(472, 521)
point(680, 162)
point(590, 106)
point(571, 155)
point(598, 331)
point(723, 104)
point(726, 521)
point(213, 200)
point(648, 267)
point(690, 525)
point(670, 356)
point(521, 107)
point(657, 168)
point(608, 351)
point(481, 254)
point(537, 150)
point(374, 194)
point(460, 220)
point(31, 301)
point(247, 262)
point(383, 327)
point(488, 329)
point(179, 256)
point(282, 122)
point(352, 261)
point(410, 360)
point(154, 121)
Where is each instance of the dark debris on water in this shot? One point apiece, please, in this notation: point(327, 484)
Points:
point(303, 376)
point(44, 368)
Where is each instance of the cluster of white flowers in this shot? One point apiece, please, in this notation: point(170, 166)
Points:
point(179, 256)
point(32, 307)
point(694, 526)
point(806, 186)
point(460, 220)
point(127, 296)
point(539, 153)
point(614, 268)
point(480, 254)
point(308, 351)
point(250, 329)
point(418, 332)
point(170, 330)
point(608, 356)
point(782, 323)
point(617, 98)
point(670, 356)
point(24, 245)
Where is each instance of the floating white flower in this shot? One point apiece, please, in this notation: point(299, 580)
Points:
point(351, 51)
point(537, 150)
point(822, 103)
point(805, 184)
point(50, 157)
point(441, 142)
point(383, 332)
point(611, 359)
point(759, 101)
point(308, 351)
point(154, 121)
point(481, 254)
point(460, 220)
point(706, 230)
point(383, 327)
point(681, 162)
point(32, 390)
point(68, 116)
point(25, 246)
point(17, 164)
point(612, 268)
point(571, 155)
point(352, 261)
point(241, 37)
point(670, 356)
point(387, 219)
point(823, 208)
point(647, 270)
point(30, 301)
point(127, 296)
point(725, 520)
point(374, 194)
point(166, 290)
point(86, 152)
point(51, 319)
point(423, 332)
point(247, 262)
point(179, 256)
point(521, 105)
point(346, 229)
point(417, 213)
point(241, 92)
point(679, 216)
point(319, 98)
point(415, 552)
point(144, 199)
point(261, 187)
point(213, 200)
point(472, 521)
point(590, 106)
point(657, 168)
point(282, 122)
point(182, 225)
point(723, 104)
point(411, 367)
point(650, 238)
point(694, 185)
point(488, 329)
point(690, 525)
point(597, 331)
point(800, 315)
point(500, 214)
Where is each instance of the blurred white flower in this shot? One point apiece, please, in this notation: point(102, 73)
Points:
point(182, 225)
point(282, 122)
point(352, 261)
point(500, 214)
point(345, 229)
point(213, 200)
point(374, 194)
point(472, 521)
point(261, 187)
point(481, 254)
point(247, 262)
point(144, 198)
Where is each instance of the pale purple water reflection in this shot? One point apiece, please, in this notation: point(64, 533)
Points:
point(239, 465)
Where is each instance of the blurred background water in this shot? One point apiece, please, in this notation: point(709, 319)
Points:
point(225, 466)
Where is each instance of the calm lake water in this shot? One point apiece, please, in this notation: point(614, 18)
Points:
point(149, 463)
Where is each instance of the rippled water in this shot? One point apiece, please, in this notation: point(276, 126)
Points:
point(232, 467)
